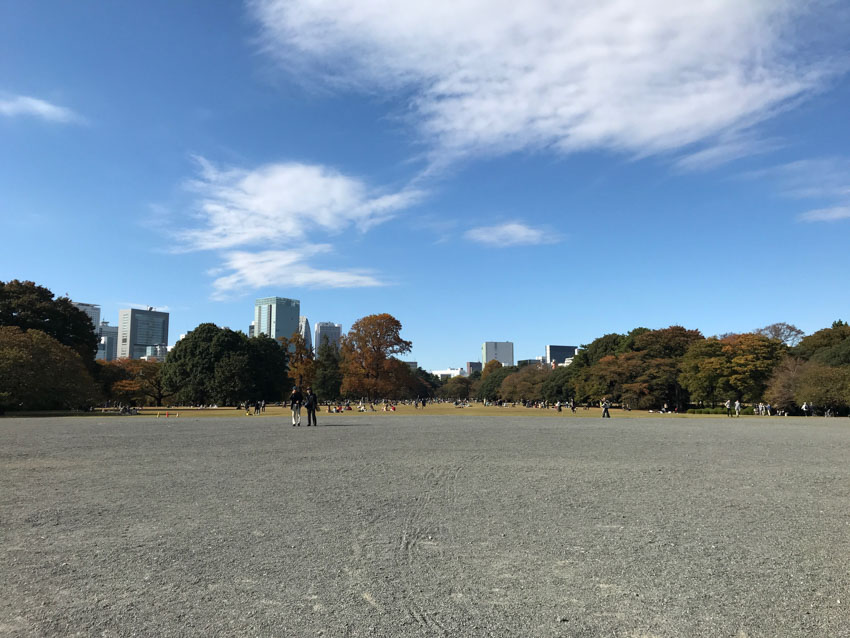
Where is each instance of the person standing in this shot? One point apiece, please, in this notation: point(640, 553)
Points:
point(728, 406)
point(737, 408)
point(605, 406)
point(295, 401)
point(311, 402)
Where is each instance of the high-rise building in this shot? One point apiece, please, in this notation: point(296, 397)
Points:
point(304, 331)
point(107, 345)
point(251, 330)
point(327, 330)
point(559, 354)
point(92, 310)
point(501, 351)
point(473, 366)
point(276, 317)
point(138, 329)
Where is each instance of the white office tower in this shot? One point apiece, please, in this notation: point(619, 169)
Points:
point(276, 317)
point(501, 351)
point(92, 310)
point(138, 329)
point(327, 330)
point(304, 331)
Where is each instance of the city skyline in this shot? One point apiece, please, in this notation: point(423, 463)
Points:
point(522, 175)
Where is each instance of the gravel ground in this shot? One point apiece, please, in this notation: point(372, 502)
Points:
point(425, 526)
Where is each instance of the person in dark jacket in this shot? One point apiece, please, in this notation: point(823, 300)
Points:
point(311, 402)
point(295, 401)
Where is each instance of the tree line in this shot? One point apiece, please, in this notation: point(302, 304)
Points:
point(682, 369)
point(48, 347)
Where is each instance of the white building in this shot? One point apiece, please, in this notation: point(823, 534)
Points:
point(304, 331)
point(448, 373)
point(327, 330)
point(501, 351)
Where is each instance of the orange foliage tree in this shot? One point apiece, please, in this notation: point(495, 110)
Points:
point(368, 366)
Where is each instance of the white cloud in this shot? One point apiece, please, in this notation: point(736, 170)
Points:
point(286, 201)
point(826, 214)
point(510, 234)
point(22, 105)
point(289, 205)
point(283, 268)
point(498, 76)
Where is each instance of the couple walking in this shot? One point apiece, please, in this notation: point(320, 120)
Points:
point(310, 403)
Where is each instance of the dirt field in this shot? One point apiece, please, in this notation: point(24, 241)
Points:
point(412, 525)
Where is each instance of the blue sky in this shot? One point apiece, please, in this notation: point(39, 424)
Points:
point(536, 172)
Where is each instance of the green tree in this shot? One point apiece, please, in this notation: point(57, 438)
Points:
point(704, 369)
point(217, 365)
point(784, 383)
point(39, 373)
point(824, 387)
point(491, 384)
point(603, 346)
point(785, 333)
point(559, 386)
point(32, 307)
point(752, 359)
point(328, 376)
point(828, 346)
point(456, 388)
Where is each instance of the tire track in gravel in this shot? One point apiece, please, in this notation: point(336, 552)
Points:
point(425, 535)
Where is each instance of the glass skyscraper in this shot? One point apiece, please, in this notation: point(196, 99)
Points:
point(276, 317)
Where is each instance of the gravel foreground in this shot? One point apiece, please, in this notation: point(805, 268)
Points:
point(425, 526)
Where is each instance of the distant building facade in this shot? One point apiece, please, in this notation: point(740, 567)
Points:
point(530, 362)
point(473, 366)
point(276, 317)
point(92, 310)
point(251, 330)
point(107, 343)
point(559, 354)
point(413, 365)
point(501, 351)
point(304, 331)
point(138, 329)
point(156, 353)
point(327, 330)
point(448, 373)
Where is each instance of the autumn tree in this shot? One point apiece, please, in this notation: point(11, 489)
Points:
point(526, 384)
point(751, 359)
point(489, 367)
point(490, 388)
point(31, 307)
point(784, 383)
point(302, 363)
point(368, 366)
point(133, 381)
point(824, 387)
point(39, 373)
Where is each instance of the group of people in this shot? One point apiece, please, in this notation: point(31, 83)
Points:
point(308, 401)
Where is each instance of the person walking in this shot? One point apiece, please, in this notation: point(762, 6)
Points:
point(295, 401)
point(737, 408)
point(728, 406)
point(311, 402)
point(605, 406)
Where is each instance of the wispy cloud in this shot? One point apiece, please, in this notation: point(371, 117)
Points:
point(283, 204)
point(23, 105)
point(283, 267)
point(287, 201)
point(493, 77)
point(510, 234)
point(825, 180)
point(826, 214)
